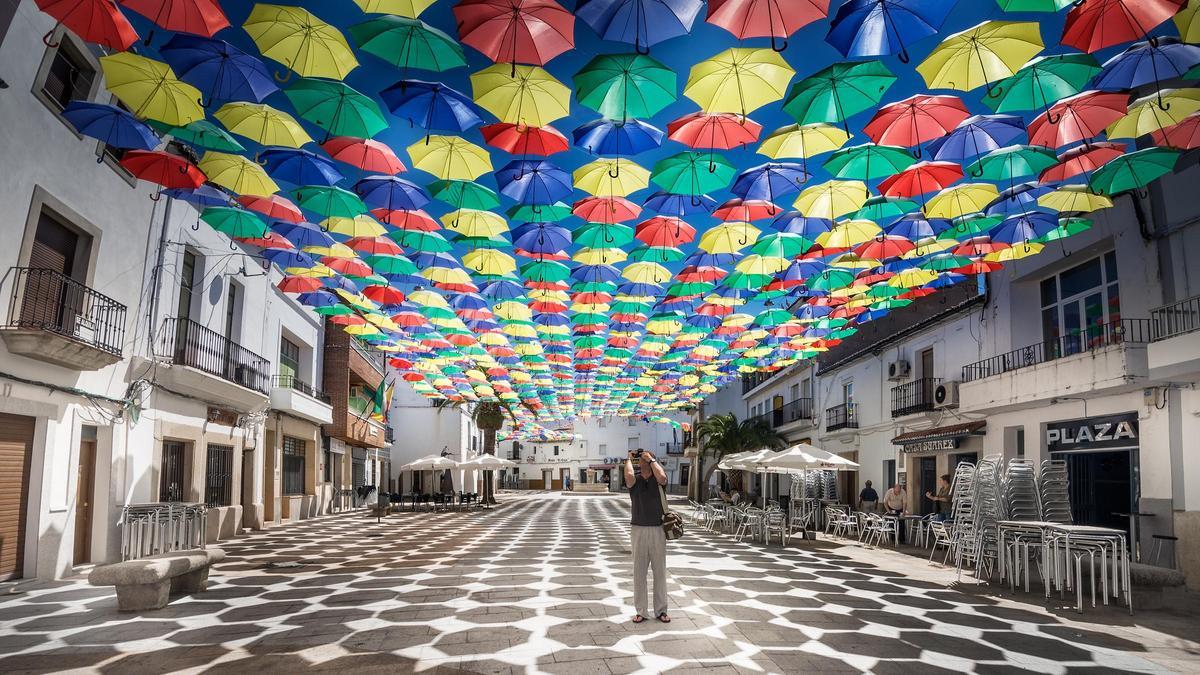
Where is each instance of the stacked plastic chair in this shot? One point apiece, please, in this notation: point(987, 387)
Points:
point(963, 510)
point(975, 538)
point(1019, 498)
point(829, 486)
point(1054, 492)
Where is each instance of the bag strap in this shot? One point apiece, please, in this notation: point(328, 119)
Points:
point(662, 495)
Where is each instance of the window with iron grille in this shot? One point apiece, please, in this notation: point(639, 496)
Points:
point(170, 483)
point(218, 477)
point(293, 465)
point(328, 475)
point(69, 76)
point(358, 472)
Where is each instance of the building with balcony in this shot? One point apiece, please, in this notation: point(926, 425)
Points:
point(353, 374)
point(436, 427)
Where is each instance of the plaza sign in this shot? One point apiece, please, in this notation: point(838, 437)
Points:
point(1093, 433)
point(930, 446)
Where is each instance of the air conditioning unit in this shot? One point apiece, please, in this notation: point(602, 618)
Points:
point(946, 395)
point(899, 370)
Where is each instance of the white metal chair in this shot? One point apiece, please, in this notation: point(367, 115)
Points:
point(941, 537)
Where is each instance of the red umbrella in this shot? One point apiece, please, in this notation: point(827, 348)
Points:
point(612, 209)
point(719, 131)
point(456, 287)
point(352, 266)
point(364, 153)
point(98, 21)
point(558, 255)
point(522, 139)
point(402, 364)
point(1182, 136)
point(920, 179)
point(516, 31)
point(1082, 159)
point(746, 210)
point(163, 168)
point(416, 221)
point(1079, 117)
point(916, 120)
point(274, 207)
point(347, 320)
point(412, 377)
point(884, 247)
point(664, 231)
point(202, 17)
point(1093, 25)
point(272, 241)
point(384, 295)
point(374, 246)
point(295, 284)
point(766, 18)
point(693, 273)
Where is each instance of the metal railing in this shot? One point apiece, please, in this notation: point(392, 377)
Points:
point(752, 380)
point(674, 448)
point(914, 397)
point(218, 476)
point(844, 416)
point(793, 411)
point(1123, 331)
point(293, 382)
point(372, 356)
point(47, 300)
point(765, 418)
point(1175, 319)
point(188, 343)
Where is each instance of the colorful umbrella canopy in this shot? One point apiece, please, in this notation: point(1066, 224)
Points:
point(1096, 24)
point(516, 31)
point(738, 80)
point(262, 124)
point(336, 107)
point(150, 89)
point(641, 23)
point(528, 95)
point(218, 69)
point(407, 43)
point(98, 21)
point(110, 125)
point(201, 17)
point(299, 40)
point(766, 18)
point(838, 92)
point(978, 56)
point(880, 27)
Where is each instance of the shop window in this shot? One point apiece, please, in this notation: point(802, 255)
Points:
point(218, 475)
point(1078, 303)
point(293, 465)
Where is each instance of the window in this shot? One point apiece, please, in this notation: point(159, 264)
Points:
point(632, 442)
point(69, 77)
point(293, 465)
point(806, 388)
point(328, 473)
point(1020, 441)
point(218, 477)
point(231, 313)
point(889, 472)
point(289, 361)
point(603, 450)
point(632, 421)
point(173, 472)
point(603, 422)
point(556, 451)
point(795, 391)
point(684, 470)
point(516, 450)
point(1077, 304)
point(848, 393)
point(187, 282)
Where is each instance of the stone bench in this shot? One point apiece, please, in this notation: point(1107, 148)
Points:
point(147, 583)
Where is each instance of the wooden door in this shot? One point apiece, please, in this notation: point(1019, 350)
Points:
point(85, 490)
point(16, 448)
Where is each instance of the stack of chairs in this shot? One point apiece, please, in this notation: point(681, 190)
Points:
point(1019, 491)
point(1053, 490)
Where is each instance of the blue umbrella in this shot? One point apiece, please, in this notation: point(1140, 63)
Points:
point(639, 290)
point(391, 193)
point(671, 204)
point(541, 237)
point(770, 180)
point(285, 259)
point(613, 137)
point(1146, 62)
point(110, 125)
point(703, 259)
point(794, 222)
point(916, 227)
point(431, 259)
point(404, 279)
point(431, 105)
point(502, 289)
point(1019, 198)
point(299, 167)
point(301, 234)
point(600, 273)
point(642, 23)
point(530, 181)
point(881, 27)
point(1024, 227)
point(319, 298)
point(218, 69)
point(339, 281)
point(977, 135)
point(203, 196)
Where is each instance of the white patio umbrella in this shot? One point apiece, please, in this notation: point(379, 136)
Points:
point(754, 462)
point(432, 463)
point(803, 457)
point(486, 463)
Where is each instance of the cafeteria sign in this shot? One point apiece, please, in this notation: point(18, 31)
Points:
point(930, 446)
point(1093, 433)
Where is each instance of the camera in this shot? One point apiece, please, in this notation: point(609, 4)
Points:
point(636, 454)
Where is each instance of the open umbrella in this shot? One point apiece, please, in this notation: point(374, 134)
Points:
point(610, 178)
point(237, 174)
point(218, 69)
point(516, 31)
point(979, 56)
point(1183, 136)
point(1148, 62)
point(769, 181)
point(329, 201)
point(97, 21)
point(163, 168)
point(519, 139)
point(408, 43)
point(766, 18)
point(431, 105)
point(262, 124)
point(1133, 171)
point(838, 92)
point(739, 79)
point(1016, 161)
point(450, 158)
point(364, 154)
point(110, 125)
point(150, 89)
point(1153, 113)
point(299, 167)
point(868, 161)
point(615, 137)
point(389, 192)
point(1041, 82)
point(1077, 118)
point(299, 40)
point(692, 173)
point(1096, 24)
point(201, 17)
point(534, 182)
point(977, 135)
point(529, 96)
point(201, 134)
point(336, 108)
point(641, 23)
point(880, 27)
point(916, 120)
point(832, 199)
point(920, 179)
point(623, 86)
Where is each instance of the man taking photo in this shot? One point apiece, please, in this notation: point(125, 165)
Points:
point(644, 477)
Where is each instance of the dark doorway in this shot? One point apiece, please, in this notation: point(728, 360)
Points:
point(1102, 483)
point(955, 460)
point(927, 470)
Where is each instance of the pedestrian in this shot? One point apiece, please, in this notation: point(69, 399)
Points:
point(868, 499)
point(895, 500)
point(648, 541)
point(942, 501)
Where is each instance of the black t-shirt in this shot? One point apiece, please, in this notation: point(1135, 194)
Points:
point(868, 495)
point(647, 505)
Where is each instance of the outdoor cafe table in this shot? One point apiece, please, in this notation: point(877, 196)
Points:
point(908, 521)
point(1065, 536)
point(1015, 529)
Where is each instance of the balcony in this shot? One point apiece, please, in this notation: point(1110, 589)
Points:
point(1174, 350)
point(674, 448)
point(373, 357)
point(210, 365)
point(292, 395)
point(56, 319)
point(799, 410)
point(844, 416)
point(1108, 357)
point(914, 397)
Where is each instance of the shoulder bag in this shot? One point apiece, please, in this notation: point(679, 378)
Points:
point(672, 523)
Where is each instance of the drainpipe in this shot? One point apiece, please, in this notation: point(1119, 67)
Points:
point(156, 276)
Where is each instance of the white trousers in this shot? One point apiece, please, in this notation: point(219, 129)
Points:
point(649, 545)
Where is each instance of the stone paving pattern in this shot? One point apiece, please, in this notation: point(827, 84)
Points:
point(542, 585)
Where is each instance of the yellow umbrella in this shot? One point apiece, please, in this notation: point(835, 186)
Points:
point(238, 174)
point(1074, 198)
point(489, 261)
point(1150, 113)
point(363, 329)
point(805, 141)
point(409, 8)
point(663, 327)
point(1188, 22)
point(589, 307)
point(762, 265)
point(959, 200)
point(475, 223)
point(832, 199)
point(600, 256)
point(848, 234)
point(547, 294)
point(447, 275)
point(262, 124)
point(333, 251)
point(611, 177)
point(428, 299)
point(851, 261)
point(739, 79)
point(930, 247)
point(978, 56)
point(530, 97)
point(912, 277)
point(646, 273)
point(299, 40)
point(317, 271)
point(357, 300)
point(511, 310)
point(728, 237)
point(1015, 252)
point(150, 89)
point(359, 226)
point(381, 321)
point(450, 158)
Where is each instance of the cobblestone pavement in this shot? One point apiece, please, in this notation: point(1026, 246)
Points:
point(542, 585)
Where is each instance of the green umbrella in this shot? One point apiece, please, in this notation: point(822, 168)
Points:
point(831, 279)
point(744, 281)
point(692, 173)
point(689, 288)
point(869, 161)
point(1049, 6)
point(593, 287)
point(1133, 171)
point(658, 254)
point(1067, 227)
point(938, 263)
point(886, 291)
point(1012, 162)
point(425, 242)
point(539, 213)
point(482, 242)
point(329, 201)
point(588, 318)
point(969, 226)
point(772, 317)
point(408, 43)
point(333, 310)
point(589, 342)
point(336, 107)
point(623, 86)
point(884, 209)
point(202, 134)
point(391, 264)
point(891, 303)
point(628, 307)
point(545, 270)
point(234, 222)
point(781, 244)
point(603, 235)
point(373, 280)
point(1042, 82)
point(464, 194)
point(838, 92)
point(1193, 74)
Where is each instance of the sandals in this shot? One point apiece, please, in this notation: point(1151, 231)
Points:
point(638, 618)
point(664, 618)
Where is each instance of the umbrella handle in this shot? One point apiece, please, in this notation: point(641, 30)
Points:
point(100, 159)
point(637, 46)
point(282, 78)
point(994, 92)
point(976, 175)
point(1052, 118)
point(196, 226)
point(917, 152)
point(903, 55)
point(156, 196)
point(149, 38)
point(617, 165)
point(46, 38)
point(696, 201)
point(781, 47)
point(1142, 193)
point(232, 246)
point(1163, 105)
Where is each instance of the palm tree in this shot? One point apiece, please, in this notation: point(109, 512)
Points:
point(721, 435)
point(489, 417)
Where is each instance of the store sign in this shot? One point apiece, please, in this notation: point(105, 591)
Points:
point(1093, 433)
point(930, 446)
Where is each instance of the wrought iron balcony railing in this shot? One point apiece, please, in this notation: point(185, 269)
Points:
point(50, 301)
point(844, 416)
point(1122, 331)
point(188, 343)
point(914, 397)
